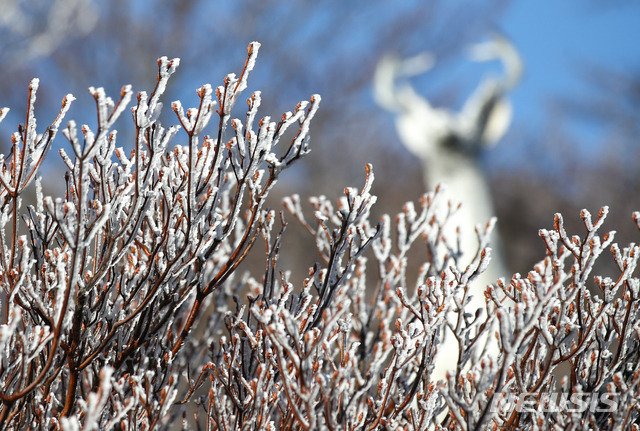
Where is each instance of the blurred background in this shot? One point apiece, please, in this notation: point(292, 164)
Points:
point(573, 142)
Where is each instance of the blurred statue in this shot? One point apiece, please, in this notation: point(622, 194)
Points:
point(449, 143)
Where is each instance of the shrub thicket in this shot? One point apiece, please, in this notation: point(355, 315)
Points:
point(103, 288)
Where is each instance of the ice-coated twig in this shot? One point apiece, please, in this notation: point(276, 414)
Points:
point(124, 303)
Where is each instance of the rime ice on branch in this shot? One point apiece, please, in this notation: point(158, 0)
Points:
point(102, 290)
point(110, 278)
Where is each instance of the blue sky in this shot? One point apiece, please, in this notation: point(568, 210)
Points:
point(556, 38)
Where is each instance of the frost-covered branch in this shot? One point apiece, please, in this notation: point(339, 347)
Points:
point(123, 305)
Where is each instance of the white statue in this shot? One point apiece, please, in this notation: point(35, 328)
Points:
point(448, 144)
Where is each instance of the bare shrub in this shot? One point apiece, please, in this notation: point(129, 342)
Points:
point(102, 288)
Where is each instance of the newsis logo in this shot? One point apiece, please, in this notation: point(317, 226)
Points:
point(578, 402)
